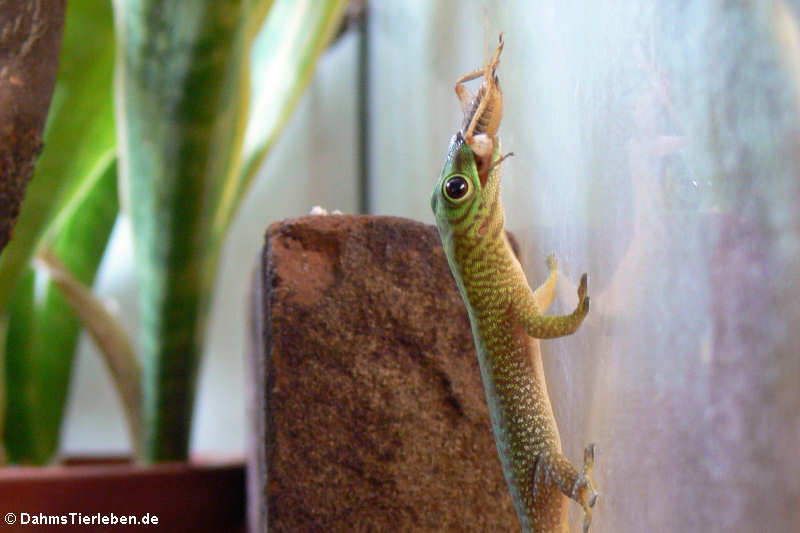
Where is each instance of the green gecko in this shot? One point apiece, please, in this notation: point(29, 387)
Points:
point(507, 319)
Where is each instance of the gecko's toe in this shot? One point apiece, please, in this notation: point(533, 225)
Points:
point(551, 262)
point(589, 453)
point(583, 287)
point(589, 456)
point(587, 521)
point(583, 308)
point(587, 508)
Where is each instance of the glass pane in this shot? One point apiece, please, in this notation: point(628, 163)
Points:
point(657, 148)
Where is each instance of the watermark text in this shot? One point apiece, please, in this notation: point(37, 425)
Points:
point(79, 519)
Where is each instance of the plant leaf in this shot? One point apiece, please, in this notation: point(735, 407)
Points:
point(109, 336)
point(182, 107)
point(282, 59)
point(43, 332)
point(78, 136)
point(178, 99)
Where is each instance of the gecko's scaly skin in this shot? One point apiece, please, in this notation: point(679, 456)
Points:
point(505, 313)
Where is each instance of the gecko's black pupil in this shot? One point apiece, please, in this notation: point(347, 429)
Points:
point(456, 187)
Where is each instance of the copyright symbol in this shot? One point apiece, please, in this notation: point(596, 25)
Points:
point(10, 518)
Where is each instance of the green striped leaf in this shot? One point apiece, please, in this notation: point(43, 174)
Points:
point(79, 135)
point(43, 329)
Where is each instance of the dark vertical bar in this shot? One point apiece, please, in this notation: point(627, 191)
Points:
point(364, 201)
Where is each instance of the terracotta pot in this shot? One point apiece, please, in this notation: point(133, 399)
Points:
point(102, 494)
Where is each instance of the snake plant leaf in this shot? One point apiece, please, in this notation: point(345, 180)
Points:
point(178, 92)
point(183, 99)
point(283, 56)
point(78, 136)
point(43, 330)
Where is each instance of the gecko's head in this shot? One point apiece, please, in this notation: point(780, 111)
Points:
point(464, 202)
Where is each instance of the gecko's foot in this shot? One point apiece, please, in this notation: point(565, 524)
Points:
point(583, 298)
point(551, 262)
point(583, 287)
point(583, 491)
point(589, 454)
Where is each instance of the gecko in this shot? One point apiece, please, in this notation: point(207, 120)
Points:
point(507, 318)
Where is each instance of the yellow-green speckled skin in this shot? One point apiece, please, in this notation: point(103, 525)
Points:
point(504, 315)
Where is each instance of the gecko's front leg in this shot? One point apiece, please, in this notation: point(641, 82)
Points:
point(528, 313)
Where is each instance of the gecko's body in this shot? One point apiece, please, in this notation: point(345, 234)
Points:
point(505, 313)
point(507, 319)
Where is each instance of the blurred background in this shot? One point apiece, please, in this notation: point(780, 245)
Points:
point(657, 148)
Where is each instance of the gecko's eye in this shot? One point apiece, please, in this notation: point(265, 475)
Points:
point(456, 188)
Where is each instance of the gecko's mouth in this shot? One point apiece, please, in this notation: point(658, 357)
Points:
point(483, 165)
